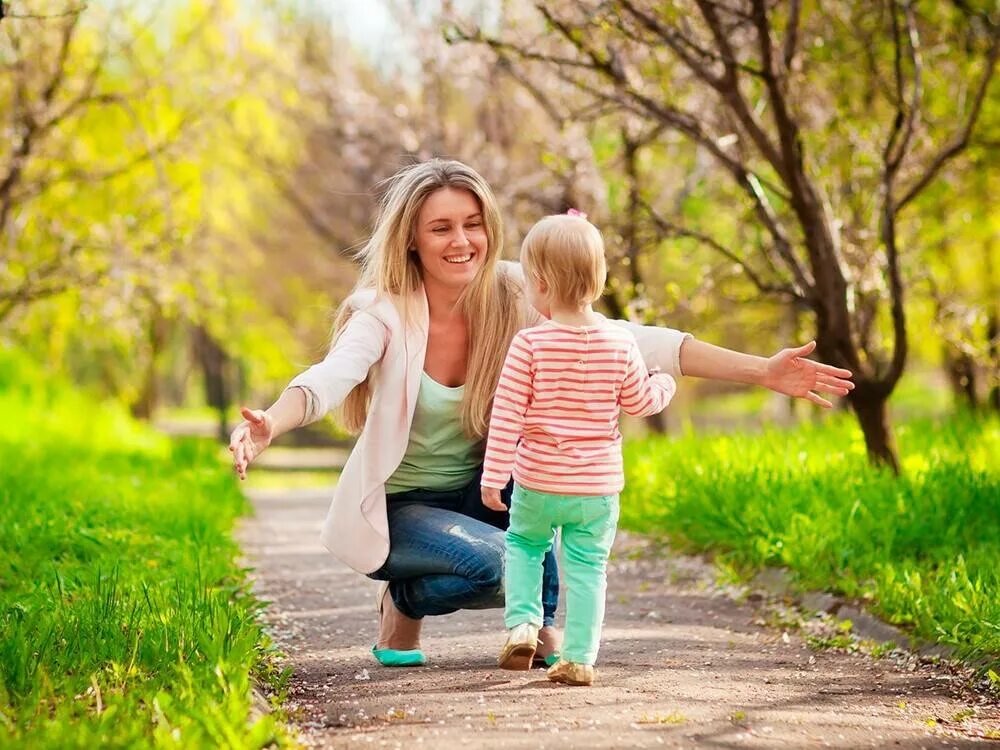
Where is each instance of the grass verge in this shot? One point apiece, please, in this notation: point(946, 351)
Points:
point(125, 620)
point(921, 550)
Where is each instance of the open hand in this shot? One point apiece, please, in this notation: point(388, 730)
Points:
point(491, 499)
point(790, 373)
point(250, 438)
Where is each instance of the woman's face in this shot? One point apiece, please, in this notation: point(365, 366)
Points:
point(450, 238)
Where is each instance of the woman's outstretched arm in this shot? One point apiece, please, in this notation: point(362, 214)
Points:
point(787, 372)
point(313, 393)
point(258, 428)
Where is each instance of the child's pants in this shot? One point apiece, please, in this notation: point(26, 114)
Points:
point(588, 529)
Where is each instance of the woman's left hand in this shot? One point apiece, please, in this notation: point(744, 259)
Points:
point(790, 373)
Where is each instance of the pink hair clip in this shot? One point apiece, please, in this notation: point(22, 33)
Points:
point(574, 212)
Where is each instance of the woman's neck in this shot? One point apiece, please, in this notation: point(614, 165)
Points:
point(442, 301)
point(578, 316)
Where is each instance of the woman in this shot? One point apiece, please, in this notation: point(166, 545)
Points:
point(416, 356)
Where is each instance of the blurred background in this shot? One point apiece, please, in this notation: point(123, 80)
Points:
point(182, 183)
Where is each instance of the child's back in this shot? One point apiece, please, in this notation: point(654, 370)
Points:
point(561, 391)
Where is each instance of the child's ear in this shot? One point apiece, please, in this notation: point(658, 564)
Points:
point(543, 287)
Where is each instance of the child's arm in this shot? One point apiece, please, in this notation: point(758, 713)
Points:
point(510, 403)
point(644, 394)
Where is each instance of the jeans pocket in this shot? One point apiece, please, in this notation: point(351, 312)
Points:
point(600, 514)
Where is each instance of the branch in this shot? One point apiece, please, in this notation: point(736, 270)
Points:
point(4, 13)
point(685, 122)
point(693, 55)
point(961, 138)
point(628, 98)
point(32, 127)
point(675, 230)
point(792, 34)
point(900, 344)
point(905, 120)
point(541, 98)
point(729, 88)
point(310, 215)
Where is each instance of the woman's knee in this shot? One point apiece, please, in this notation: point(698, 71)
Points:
point(482, 563)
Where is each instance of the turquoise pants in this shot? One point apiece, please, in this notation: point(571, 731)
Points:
point(588, 529)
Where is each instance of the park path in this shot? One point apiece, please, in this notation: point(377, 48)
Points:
point(683, 665)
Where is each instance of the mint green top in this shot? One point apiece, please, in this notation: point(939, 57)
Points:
point(438, 454)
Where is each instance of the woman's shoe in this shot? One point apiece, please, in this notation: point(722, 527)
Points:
point(392, 657)
point(571, 673)
point(548, 640)
point(538, 661)
point(519, 650)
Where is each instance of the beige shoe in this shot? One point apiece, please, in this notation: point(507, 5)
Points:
point(519, 650)
point(571, 673)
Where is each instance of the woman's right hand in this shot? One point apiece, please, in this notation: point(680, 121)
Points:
point(250, 438)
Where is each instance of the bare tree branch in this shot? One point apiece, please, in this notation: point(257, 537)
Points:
point(905, 120)
point(675, 230)
point(961, 139)
point(729, 88)
point(75, 11)
point(792, 34)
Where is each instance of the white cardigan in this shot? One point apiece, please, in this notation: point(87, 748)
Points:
point(374, 339)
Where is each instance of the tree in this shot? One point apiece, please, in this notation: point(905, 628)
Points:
point(826, 122)
point(126, 170)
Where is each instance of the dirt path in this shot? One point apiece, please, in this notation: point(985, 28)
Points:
point(682, 666)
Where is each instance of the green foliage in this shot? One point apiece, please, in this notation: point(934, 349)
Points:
point(138, 202)
point(124, 618)
point(922, 550)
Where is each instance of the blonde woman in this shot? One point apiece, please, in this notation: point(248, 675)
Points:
point(414, 363)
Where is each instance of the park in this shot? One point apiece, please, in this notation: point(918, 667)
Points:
point(230, 222)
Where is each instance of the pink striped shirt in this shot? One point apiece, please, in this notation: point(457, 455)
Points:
point(555, 414)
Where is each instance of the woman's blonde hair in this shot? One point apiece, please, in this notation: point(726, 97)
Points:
point(566, 253)
point(490, 304)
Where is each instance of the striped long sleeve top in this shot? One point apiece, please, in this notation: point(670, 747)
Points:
point(555, 415)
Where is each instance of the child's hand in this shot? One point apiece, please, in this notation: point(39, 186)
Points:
point(491, 499)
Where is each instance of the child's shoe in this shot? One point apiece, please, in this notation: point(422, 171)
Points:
point(571, 673)
point(519, 650)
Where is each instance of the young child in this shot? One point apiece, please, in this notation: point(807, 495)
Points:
point(555, 427)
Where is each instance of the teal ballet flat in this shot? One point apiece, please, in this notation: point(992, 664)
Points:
point(390, 657)
point(547, 661)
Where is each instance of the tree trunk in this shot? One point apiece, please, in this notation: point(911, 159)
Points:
point(214, 366)
point(874, 420)
point(992, 327)
point(149, 396)
point(961, 371)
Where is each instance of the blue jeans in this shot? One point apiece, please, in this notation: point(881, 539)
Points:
point(446, 552)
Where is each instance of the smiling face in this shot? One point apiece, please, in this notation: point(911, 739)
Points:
point(450, 238)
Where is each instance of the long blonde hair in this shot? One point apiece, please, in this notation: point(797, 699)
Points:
point(491, 303)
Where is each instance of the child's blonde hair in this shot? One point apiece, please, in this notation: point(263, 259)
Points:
point(566, 253)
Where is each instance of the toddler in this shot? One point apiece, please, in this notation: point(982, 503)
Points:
point(555, 427)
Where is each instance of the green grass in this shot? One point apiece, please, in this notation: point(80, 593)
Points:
point(923, 550)
point(125, 620)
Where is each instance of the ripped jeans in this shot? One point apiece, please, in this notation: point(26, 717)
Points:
point(446, 552)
